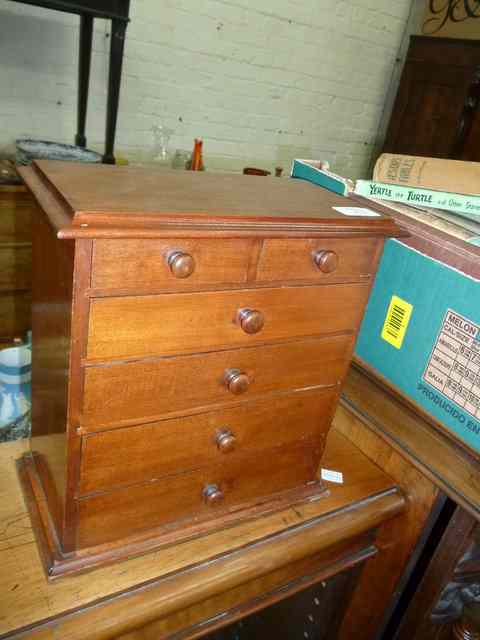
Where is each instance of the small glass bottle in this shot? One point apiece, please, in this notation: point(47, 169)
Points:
point(181, 159)
point(161, 154)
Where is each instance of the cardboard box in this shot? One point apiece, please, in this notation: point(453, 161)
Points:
point(421, 329)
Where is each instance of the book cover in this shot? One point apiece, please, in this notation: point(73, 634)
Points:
point(446, 221)
point(311, 171)
point(456, 176)
point(464, 205)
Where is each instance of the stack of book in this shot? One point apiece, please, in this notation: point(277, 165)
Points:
point(442, 193)
point(449, 187)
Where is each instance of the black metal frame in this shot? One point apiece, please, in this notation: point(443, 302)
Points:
point(117, 11)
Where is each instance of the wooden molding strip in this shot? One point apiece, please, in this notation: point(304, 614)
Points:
point(56, 214)
point(282, 591)
point(427, 448)
point(148, 602)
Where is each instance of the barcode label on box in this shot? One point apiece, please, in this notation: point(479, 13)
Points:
point(396, 321)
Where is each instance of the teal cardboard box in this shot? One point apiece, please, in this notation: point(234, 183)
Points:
point(421, 331)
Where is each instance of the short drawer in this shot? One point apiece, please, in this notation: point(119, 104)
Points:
point(136, 454)
point(246, 481)
point(138, 326)
point(317, 259)
point(169, 264)
point(143, 391)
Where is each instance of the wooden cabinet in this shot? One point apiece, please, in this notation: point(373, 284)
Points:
point(436, 111)
point(191, 336)
point(316, 612)
point(320, 548)
point(441, 575)
point(16, 208)
point(448, 588)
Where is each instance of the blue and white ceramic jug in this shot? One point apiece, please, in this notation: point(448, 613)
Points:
point(15, 387)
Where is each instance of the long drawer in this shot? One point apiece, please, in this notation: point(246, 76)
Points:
point(132, 392)
point(139, 326)
point(248, 479)
point(136, 454)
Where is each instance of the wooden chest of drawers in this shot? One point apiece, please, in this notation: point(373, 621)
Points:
point(190, 336)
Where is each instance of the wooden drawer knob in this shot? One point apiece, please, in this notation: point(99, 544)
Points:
point(181, 264)
point(236, 381)
point(250, 320)
point(326, 261)
point(226, 441)
point(212, 494)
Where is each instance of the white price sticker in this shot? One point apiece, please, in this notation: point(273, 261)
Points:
point(332, 476)
point(360, 212)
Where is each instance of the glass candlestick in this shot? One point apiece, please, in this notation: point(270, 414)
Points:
point(161, 137)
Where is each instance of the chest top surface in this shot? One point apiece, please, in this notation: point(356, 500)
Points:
point(103, 196)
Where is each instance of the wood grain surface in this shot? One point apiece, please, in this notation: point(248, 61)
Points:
point(139, 326)
point(248, 479)
point(15, 267)
point(139, 453)
point(234, 604)
point(16, 207)
point(362, 502)
point(51, 324)
point(459, 537)
point(15, 314)
point(143, 264)
point(381, 577)
point(130, 192)
point(44, 197)
point(292, 259)
point(128, 393)
point(415, 437)
point(16, 211)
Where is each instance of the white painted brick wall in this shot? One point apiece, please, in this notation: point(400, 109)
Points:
point(262, 83)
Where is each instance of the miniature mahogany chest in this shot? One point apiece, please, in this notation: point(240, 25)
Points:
point(190, 336)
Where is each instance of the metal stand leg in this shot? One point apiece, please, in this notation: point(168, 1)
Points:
point(114, 77)
point(85, 56)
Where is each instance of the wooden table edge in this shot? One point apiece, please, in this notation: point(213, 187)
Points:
point(127, 610)
point(364, 407)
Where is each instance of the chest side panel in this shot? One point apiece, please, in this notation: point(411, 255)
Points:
point(51, 327)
